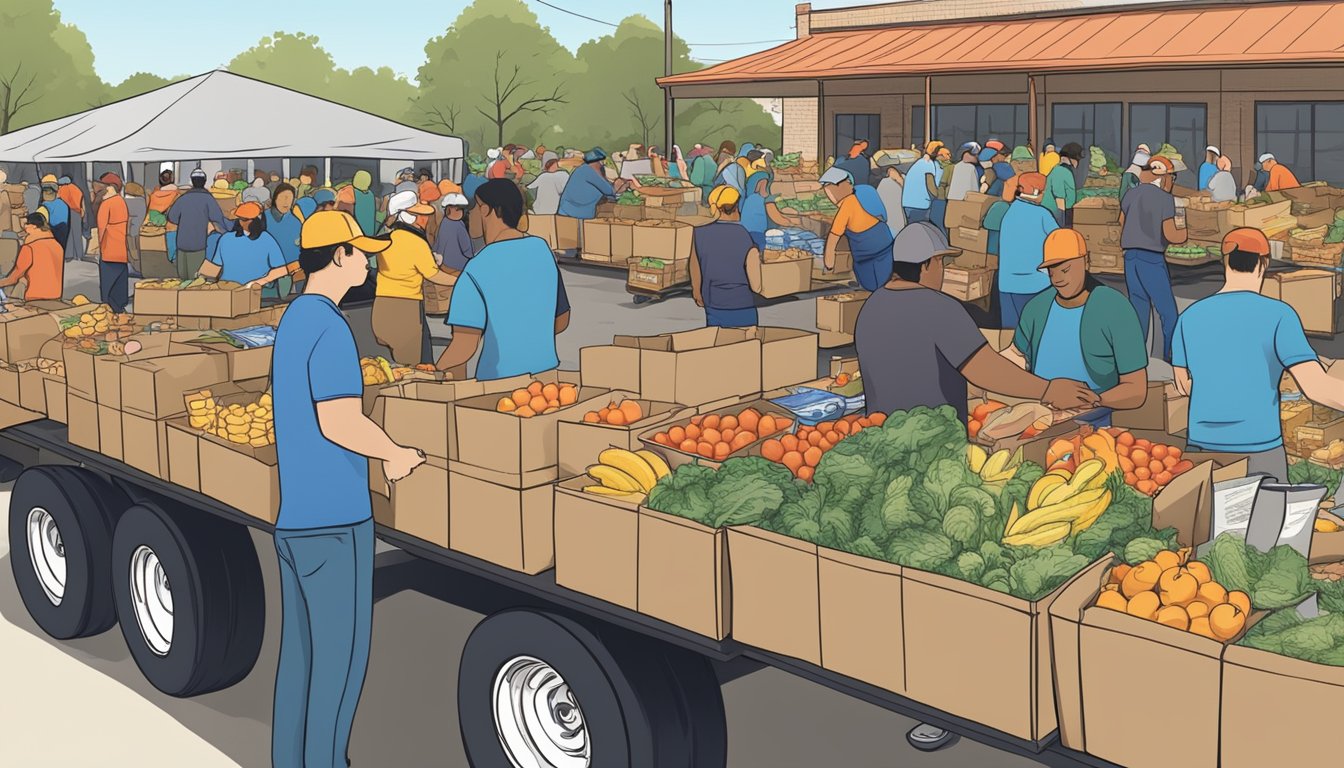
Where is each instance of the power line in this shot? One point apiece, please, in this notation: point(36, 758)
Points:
point(579, 15)
point(752, 42)
point(609, 24)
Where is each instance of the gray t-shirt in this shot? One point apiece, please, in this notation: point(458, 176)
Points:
point(1223, 187)
point(891, 193)
point(548, 187)
point(1145, 208)
point(912, 344)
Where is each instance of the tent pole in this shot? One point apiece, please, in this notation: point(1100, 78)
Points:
point(326, 170)
point(284, 168)
point(251, 170)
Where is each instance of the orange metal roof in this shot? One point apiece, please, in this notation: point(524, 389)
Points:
point(1252, 34)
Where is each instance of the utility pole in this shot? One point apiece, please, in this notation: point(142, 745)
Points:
point(667, 72)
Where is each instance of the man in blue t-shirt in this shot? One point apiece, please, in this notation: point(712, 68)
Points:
point(509, 302)
point(1229, 354)
point(1022, 235)
point(324, 532)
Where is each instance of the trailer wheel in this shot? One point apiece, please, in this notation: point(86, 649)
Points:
point(537, 690)
point(189, 596)
point(60, 533)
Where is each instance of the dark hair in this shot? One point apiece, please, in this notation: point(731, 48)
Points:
point(728, 209)
point(424, 173)
point(253, 231)
point(198, 182)
point(1073, 150)
point(37, 220)
point(1244, 261)
point(503, 197)
point(284, 187)
point(754, 155)
point(166, 177)
point(908, 272)
point(310, 171)
point(313, 260)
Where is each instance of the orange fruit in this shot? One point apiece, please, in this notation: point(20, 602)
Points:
point(506, 405)
point(825, 445)
point(711, 421)
point(833, 437)
point(878, 419)
point(728, 422)
point(539, 404)
point(1124, 438)
point(711, 435)
point(661, 439)
point(591, 417)
point(555, 404)
point(1156, 467)
point(1144, 605)
point(782, 424)
point(616, 418)
point(1226, 621)
point(772, 450)
point(1197, 610)
point(550, 392)
point(693, 431)
point(687, 446)
point(766, 426)
point(842, 426)
point(1159, 452)
point(749, 419)
point(1240, 599)
point(706, 450)
point(520, 396)
point(1139, 456)
point(813, 456)
point(814, 438)
point(1162, 478)
point(569, 394)
point(721, 451)
point(790, 442)
point(677, 435)
point(535, 388)
point(525, 412)
point(632, 411)
point(742, 440)
point(805, 474)
point(1200, 626)
point(793, 460)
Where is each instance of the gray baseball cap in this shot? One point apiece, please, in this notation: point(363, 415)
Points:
point(835, 175)
point(919, 242)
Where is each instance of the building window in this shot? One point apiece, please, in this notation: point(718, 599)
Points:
point(956, 124)
point(1184, 126)
point(1090, 125)
point(1308, 137)
point(852, 128)
point(917, 127)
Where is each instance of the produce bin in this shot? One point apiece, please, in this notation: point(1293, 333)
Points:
point(502, 518)
point(580, 442)
point(1278, 710)
point(242, 477)
point(689, 368)
point(419, 504)
point(656, 275)
point(839, 313)
point(786, 276)
point(596, 544)
point(980, 654)
point(684, 573)
point(788, 356)
point(184, 463)
point(776, 593)
point(862, 619)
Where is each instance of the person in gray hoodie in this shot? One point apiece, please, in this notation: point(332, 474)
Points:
point(193, 213)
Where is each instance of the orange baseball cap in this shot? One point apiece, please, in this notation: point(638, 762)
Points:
point(1161, 165)
point(247, 211)
point(1031, 183)
point(1247, 239)
point(1063, 245)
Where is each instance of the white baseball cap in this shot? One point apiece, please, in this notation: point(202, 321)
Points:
point(1214, 150)
point(407, 202)
point(1264, 157)
point(454, 198)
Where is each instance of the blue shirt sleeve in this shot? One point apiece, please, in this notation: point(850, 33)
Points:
point(1048, 223)
point(600, 183)
point(467, 309)
point(212, 248)
point(1178, 344)
point(175, 212)
point(333, 366)
point(561, 295)
point(216, 215)
point(464, 242)
point(274, 256)
point(1290, 341)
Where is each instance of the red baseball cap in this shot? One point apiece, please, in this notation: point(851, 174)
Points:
point(110, 178)
point(1248, 240)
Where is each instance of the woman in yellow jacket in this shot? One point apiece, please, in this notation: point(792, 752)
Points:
point(398, 304)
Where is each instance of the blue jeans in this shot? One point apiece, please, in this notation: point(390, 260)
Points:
point(1149, 286)
point(873, 273)
point(113, 284)
point(916, 214)
point(170, 239)
point(730, 318)
point(326, 588)
point(1011, 306)
point(938, 214)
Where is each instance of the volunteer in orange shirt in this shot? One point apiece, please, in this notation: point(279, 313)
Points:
point(1280, 177)
point(113, 222)
point(73, 196)
point(429, 194)
point(41, 261)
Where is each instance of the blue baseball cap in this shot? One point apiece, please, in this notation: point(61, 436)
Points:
point(324, 196)
point(594, 155)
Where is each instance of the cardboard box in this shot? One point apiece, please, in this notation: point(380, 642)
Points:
point(419, 503)
point(33, 389)
point(970, 239)
point(968, 283)
point(253, 363)
point(596, 544)
point(683, 574)
point(1258, 216)
point(788, 356)
point(1098, 235)
point(500, 518)
point(145, 444)
point(862, 627)
point(622, 240)
point(729, 406)
point(651, 278)
point(776, 594)
point(832, 339)
point(154, 388)
point(786, 277)
point(689, 368)
point(969, 212)
point(975, 259)
point(839, 313)
point(1096, 210)
point(184, 462)
point(24, 328)
point(669, 241)
point(245, 478)
point(420, 413)
point(1315, 435)
point(502, 442)
point(56, 394)
point(84, 373)
point(580, 443)
point(438, 298)
point(110, 438)
point(212, 302)
point(154, 301)
point(1312, 293)
point(597, 237)
point(1006, 684)
point(1165, 410)
point(9, 384)
point(1277, 710)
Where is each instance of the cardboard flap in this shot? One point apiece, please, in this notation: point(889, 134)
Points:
point(574, 487)
point(1133, 626)
point(678, 521)
point(1254, 658)
point(12, 415)
point(858, 561)
point(771, 537)
point(1186, 504)
point(1079, 592)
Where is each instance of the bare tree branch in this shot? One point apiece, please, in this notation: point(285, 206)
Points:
point(505, 93)
point(647, 123)
point(443, 118)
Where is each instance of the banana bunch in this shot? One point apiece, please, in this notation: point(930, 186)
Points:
point(376, 370)
point(995, 470)
point(1059, 505)
point(251, 424)
point(626, 475)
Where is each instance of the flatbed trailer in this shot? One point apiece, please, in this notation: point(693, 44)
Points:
point(95, 542)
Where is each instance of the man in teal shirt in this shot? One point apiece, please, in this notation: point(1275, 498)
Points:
point(1082, 330)
point(1061, 192)
point(1021, 243)
point(1229, 353)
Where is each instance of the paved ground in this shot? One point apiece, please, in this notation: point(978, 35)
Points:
point(84, 703)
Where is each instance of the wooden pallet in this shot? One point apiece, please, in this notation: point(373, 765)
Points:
point(606, 262)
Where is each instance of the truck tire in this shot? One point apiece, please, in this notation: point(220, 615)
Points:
point(189, 597)
point(537, 690)
point(60, 534)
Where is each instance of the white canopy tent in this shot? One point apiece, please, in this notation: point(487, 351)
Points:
point(222, 116)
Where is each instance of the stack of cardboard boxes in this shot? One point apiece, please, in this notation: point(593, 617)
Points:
point(1097, 219)
point(837, 316)
point(971, 275)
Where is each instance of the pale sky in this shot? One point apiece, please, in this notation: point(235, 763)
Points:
point(169, 37)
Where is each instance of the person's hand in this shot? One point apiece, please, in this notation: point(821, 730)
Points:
point(829, 262)
point(1067, 394)
point(699, 302)
point(402, 464)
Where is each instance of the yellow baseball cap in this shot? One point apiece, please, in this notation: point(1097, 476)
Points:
point(724, 195)
point(1063, 245)
point(325, 228)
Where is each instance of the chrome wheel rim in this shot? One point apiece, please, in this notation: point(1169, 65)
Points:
point(538, 718)
point(152, 600)
point(46, 551)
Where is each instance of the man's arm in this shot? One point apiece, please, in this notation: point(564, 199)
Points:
point(1183, 380)
point(209, 270)
point(832, 243)
point(275, 274)
point(1174, 234)
point(1130, 393)
point(931, 186)
point(561, 322)
point(695, 282)
point(754, 270)
point(442, 276)
point(1317, 385)
point(460, 351)
point(990, 371)
point(343, 422)
point(21, 267)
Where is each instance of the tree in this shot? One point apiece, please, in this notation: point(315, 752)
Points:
point(46, 68)
point(648, 121)
point(497, 72)
point(298, 61)
point(136, 84)
point(709, 121)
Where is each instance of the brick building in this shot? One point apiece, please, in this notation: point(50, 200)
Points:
point(1249, 77)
